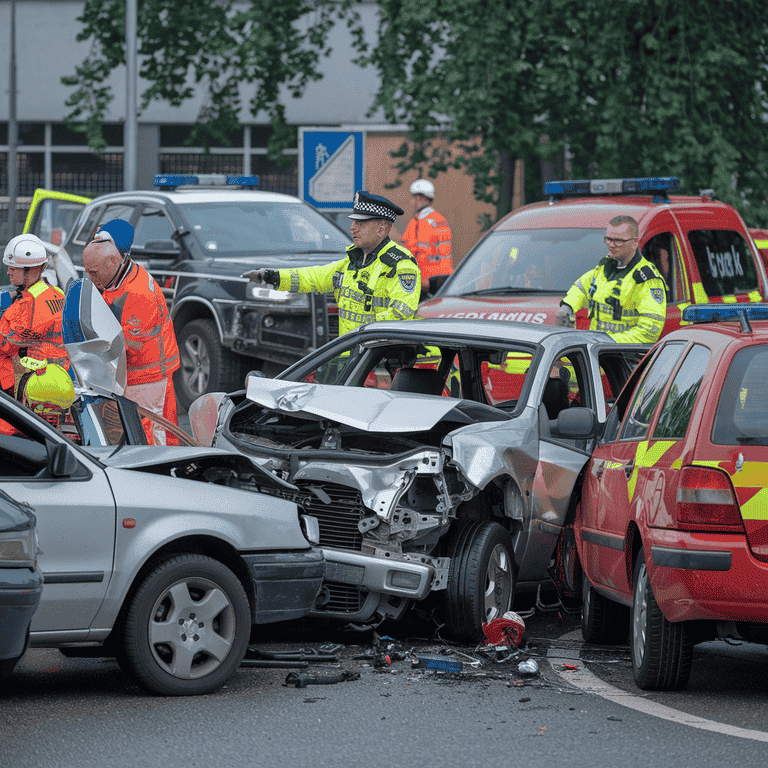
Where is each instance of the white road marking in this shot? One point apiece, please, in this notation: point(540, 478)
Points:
point(583, 679)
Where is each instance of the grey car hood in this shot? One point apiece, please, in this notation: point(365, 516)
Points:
point(372, 410)
point(140, 456)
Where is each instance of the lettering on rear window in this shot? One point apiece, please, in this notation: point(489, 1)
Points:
point(725, 262)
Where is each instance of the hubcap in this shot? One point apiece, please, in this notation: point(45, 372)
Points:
point(639, 617)
point(498, 589)
point(192, 628)
point(195, 365)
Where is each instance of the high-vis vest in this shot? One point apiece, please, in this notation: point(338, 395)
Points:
point(31, 327)
point(387, 288)
point(151, 352)
point(629, 304)
point(428, 238)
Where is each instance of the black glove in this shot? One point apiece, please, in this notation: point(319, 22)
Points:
point(266, 276)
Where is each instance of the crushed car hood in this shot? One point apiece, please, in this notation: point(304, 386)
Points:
point(368, 409)
point(139, 456)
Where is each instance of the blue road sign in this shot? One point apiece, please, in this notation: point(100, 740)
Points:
point(331, 167)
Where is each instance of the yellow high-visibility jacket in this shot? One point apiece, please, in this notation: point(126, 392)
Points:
point(382, 285)
point(629, 304)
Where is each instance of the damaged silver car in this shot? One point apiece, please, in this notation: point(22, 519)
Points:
point(439, 458)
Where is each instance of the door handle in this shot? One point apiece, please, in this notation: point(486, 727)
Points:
point(628, 468)
point(599, 470)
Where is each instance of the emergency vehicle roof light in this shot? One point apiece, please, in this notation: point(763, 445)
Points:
point(657, 184)
point(718, 313)
point(206, 179)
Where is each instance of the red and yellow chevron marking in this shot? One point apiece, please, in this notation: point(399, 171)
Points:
point(646, 456)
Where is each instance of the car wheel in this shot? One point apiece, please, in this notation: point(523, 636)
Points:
point(206, 366)
point(603, 621)
point(186, 628)
point(662, 651)
point(481, 578)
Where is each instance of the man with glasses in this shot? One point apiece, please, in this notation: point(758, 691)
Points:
point(625, 295)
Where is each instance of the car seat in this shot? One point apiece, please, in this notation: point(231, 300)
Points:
point(555, 397)
point(423, 381)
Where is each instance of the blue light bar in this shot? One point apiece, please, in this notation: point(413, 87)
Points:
point(243, 181)
point(612, 186)
point(162, 180)
point(208, 179)
point(718, 313)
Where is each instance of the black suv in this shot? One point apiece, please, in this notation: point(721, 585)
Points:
point(196, 241)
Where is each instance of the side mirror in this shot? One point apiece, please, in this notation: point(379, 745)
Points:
point(435, 283)
point(62, 461)
point(575, 423)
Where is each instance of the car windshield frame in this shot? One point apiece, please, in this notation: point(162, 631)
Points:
point(509, 261)
point(263, 227)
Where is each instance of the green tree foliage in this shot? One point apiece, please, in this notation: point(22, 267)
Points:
point(185, 46)
point(628, 88)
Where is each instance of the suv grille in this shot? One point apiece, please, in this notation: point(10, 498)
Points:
point(338, 520)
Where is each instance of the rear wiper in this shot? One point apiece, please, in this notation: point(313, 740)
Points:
point(511, 289)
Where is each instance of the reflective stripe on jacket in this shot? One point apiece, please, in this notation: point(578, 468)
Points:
point(428, 238)
point(151, 351)
point(386, 288)
point(32, 323)
point(629, 304)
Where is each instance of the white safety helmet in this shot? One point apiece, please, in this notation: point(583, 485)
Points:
point(423, 187)
point(25, 251)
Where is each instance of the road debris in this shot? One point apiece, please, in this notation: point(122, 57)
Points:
point(528, 668)
point(302, 680)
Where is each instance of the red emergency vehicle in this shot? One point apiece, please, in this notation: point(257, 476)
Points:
point(523, 266)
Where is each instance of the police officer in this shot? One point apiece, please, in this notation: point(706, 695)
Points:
point(135, 298)
point(428, 236)
point(31, 325)
point(376, 280)
point(625, 294)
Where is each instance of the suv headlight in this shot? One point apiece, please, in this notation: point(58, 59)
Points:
point(18, 549)
point(258, 292)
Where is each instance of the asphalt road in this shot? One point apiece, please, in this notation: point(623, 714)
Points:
point(58, 712)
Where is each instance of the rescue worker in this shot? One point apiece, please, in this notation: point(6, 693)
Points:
point(31, 325)
point(625, 294)
point(376, 280)
point(137, 301)
point(428, 236)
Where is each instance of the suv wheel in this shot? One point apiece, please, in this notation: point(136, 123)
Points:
point(662, 651)
point(206, 366)
point(603, 621)
point(481, 578)
point(186, 628)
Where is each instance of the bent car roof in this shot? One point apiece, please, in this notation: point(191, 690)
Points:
point(479, 330)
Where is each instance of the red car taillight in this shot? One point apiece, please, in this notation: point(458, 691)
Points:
point(706, 501)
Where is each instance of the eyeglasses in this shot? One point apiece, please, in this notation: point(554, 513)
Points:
point(617, 240)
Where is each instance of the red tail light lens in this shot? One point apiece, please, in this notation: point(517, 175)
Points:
point(706, 501)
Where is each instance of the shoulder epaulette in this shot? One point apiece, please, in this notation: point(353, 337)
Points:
point(645, 273)
point(393, 256)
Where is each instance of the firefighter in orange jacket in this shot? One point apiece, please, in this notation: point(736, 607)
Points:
point(31, 325)
point(428, 236)
point(137, 301)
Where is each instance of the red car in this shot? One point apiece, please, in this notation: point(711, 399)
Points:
point(672, 530)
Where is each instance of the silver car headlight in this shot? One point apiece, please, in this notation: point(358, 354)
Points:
point(18, 549)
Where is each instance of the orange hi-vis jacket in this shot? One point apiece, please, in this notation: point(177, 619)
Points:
point(428, 238)
point(31, 326)
point(151, 352)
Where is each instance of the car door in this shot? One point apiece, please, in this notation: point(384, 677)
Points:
point(612, 477)
point(75, 517)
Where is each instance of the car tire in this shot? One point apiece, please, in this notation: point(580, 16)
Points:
point(481, 578)
point(166, 647)
point(603, 621)
point(206, 366)
point(661, 650)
